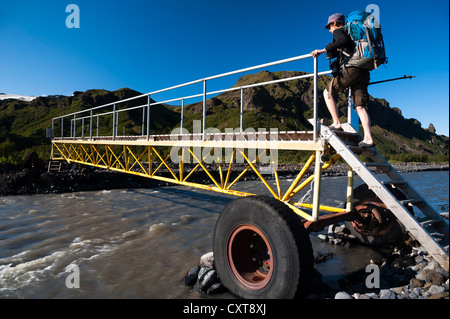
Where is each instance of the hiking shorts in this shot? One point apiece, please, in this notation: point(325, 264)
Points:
point(355, 78)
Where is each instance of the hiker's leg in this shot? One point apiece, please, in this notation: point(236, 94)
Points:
point(332, 108)
point(361, 100)
point(365, 121)
point(336, 85)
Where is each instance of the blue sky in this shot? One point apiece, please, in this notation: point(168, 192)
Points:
point(149, 45)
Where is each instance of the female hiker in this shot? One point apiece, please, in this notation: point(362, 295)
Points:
point(349, 76)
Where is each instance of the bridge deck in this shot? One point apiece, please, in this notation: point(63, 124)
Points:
point(285, 140)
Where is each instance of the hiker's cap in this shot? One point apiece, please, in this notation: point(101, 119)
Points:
point(337, 17)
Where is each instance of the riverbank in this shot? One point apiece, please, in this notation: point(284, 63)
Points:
point(75, 178)
point(72, 178)
point(407, 272)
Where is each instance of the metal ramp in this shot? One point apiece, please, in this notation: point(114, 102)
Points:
point(431, 230)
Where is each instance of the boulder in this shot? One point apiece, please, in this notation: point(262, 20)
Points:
point(439, 295)
point(202, 272)
point(387, 294)
point(342, 295)
point(417, 282)
point(436, 289)
point(431, 276)
point(207, 280)
point(433, 265)
point(191, 277)
point(372, 295)
point(207, 260)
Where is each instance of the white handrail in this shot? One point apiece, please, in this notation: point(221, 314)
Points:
point(115, 110)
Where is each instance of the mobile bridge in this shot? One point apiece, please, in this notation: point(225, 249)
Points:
point(261, 244)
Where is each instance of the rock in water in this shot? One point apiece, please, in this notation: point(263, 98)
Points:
point(202, 273)
point(207, 260)
point(208, 280)
point(216, 289)
point(191, 277)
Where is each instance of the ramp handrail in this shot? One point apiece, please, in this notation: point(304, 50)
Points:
point(81, 115)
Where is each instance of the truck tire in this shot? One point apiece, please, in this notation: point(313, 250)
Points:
point(262, 250)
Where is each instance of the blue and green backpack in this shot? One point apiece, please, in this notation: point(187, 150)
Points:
point(366, 32)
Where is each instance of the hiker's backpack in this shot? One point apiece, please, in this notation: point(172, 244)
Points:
point(366, 32)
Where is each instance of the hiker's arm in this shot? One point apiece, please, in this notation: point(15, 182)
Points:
point(318, 52)
point(339, 41)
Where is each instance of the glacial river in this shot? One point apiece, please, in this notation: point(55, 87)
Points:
point(139, 243)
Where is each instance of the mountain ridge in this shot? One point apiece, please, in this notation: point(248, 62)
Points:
point(284, 105)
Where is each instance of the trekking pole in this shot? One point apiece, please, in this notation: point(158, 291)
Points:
point(400, 78)
point(353, 118)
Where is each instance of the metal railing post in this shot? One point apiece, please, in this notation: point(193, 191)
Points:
point(117, 123)
point(114, 123)
point(148, 117)
point(74, 125)
point(241, 119)
point(62, 128)
point(182, 116)
point(204, 110)
point(350, 180)
point(317, 182)
point(318, 164)
point(352, 116)
point(315, 99)
point(143, 121)
point(90, 127)
point(349, 106)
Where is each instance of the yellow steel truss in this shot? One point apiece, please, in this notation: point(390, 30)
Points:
point(147, 161)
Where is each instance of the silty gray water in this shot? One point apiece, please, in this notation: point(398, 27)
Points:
point(140, 243)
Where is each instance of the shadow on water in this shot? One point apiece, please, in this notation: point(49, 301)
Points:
point(186, 196)
point(345, 260)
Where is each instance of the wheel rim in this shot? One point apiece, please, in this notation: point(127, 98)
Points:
point(375, 219)
point(250, 256)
